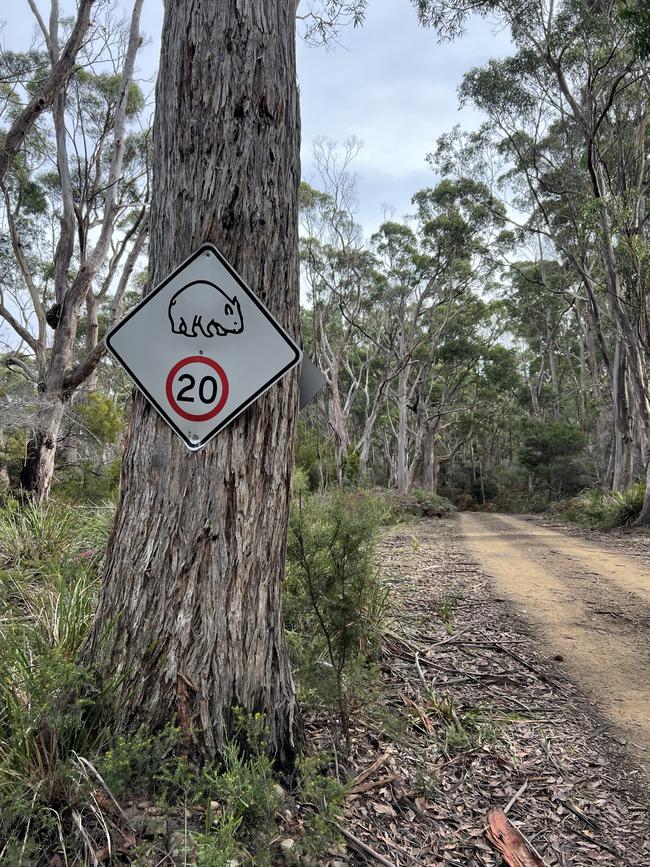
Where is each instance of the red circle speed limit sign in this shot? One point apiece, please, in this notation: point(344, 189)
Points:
point(200, 312)
point(197, 388)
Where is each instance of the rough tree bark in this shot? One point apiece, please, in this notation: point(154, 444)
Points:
point(402, 432)
point(190, 607)
point(623, 441)
point(431, 463)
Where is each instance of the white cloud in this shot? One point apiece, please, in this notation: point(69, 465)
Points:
point(395, 88)
point(391, 85)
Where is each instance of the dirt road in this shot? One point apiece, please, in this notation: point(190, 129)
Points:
point(591, 606)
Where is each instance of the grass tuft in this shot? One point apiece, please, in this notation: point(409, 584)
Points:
point(604, 510)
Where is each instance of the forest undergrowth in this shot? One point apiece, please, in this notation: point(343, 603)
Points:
point(395, 686)
point(73, 791)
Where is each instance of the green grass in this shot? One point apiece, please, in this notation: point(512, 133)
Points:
point(460, 730)
point(446, 609)
point(57, 754)
point(49, 557)
point(604, 509)
point(41, 539)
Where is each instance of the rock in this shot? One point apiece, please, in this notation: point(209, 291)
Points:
point(181, 846)
point(145, 823)
point(286, 847)
point(156, 826)
point(339, 864)
point(136, 819)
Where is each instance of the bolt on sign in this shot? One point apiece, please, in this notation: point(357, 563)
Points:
point(201, 347)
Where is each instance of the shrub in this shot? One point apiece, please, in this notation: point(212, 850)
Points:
point(432, 505)
point(88, 482)
point(250, 798)
point(604, 509)
point(314, 457)
point(100, 417)
point(327, 795)
point(12, 454)
point(334, 599)
point(398, 507)
point(136, 765)
point(552, 452)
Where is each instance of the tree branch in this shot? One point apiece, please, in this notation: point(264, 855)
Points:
point(52, 85)
point(20, 330)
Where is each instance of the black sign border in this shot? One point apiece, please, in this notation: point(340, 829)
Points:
point(192, 446)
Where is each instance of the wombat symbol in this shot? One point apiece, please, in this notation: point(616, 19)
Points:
point(202, 308)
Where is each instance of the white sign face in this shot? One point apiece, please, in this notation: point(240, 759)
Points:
point(201, 347)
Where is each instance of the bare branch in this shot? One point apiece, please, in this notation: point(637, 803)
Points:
point(52, 86)
point(20, 330)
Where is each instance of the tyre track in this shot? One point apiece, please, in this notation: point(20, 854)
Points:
point(590, 605)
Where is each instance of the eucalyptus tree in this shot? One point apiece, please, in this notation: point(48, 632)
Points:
point(447, 396)
point(339, 274)
point(192, 583)
point(320, 21)
point(45, 88)
point(540, 312)
point(433, 272)
point(75, 208)
point(635, 15)
point(574, 79)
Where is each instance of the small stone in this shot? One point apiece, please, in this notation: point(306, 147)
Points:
point(339, 864)
point(156, 826)
point(135, 818)
point(286, 846)
point(181, 845)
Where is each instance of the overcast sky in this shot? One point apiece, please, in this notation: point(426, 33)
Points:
point(389, 83)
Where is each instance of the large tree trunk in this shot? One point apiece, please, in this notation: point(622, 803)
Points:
point(402, 432)
point(644, 517)
point(337, 422)
point(38, 470)
point(622, 446)
point(430, 461)
point(364, 444)
point(192, 584)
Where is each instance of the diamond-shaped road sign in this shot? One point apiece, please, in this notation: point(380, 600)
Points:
point(201, 347)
